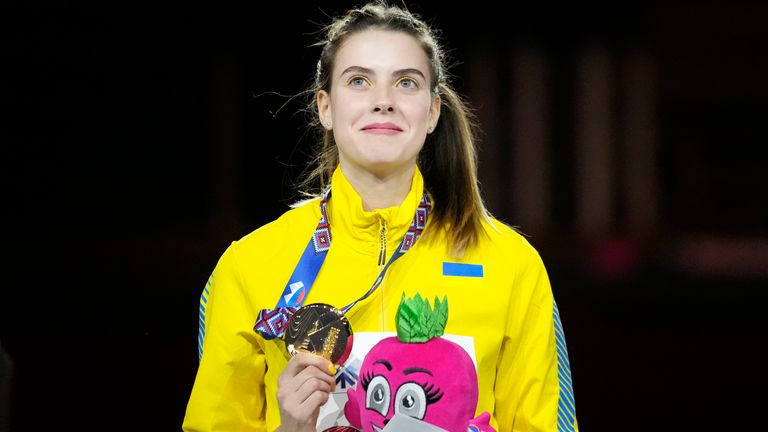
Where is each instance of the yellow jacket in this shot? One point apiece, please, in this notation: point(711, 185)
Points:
point(498, 293)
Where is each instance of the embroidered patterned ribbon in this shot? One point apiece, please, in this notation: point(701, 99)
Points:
point(270, 323)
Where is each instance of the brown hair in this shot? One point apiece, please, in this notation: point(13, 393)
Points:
point(448, 159)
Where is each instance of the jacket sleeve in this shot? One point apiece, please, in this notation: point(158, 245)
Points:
point(533, 384)
point(228, 393)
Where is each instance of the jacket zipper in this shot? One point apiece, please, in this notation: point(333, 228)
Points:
point(382, 263)
point(383, 244)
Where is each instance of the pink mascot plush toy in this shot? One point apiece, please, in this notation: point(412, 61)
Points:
point(417, 376)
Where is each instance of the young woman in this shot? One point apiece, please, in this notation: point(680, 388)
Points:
point(397, 210)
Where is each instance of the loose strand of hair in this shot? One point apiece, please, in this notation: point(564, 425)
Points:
point(449, 164)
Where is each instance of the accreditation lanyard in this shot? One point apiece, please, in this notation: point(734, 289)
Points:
point(270, 323)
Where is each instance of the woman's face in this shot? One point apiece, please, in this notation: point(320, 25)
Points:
point(380, 106)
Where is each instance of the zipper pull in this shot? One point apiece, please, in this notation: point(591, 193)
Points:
point(383, 244)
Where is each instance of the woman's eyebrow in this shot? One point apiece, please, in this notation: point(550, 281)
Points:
point(367, 71)
point(409, 71)
point(357, 69)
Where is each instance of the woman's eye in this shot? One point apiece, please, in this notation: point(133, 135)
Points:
point(357, 81)
point(408, 83)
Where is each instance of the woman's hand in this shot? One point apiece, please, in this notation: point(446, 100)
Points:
point(302, 388)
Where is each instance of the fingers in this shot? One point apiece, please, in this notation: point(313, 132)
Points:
point(303, 367)
point(304, 359)
point(306, 401)
point(308, 380)
point(303, 387)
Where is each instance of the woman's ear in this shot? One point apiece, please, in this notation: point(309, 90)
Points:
point(434, 112)
point(323, 100)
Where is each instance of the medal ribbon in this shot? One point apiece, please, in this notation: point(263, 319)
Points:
point(270, 323)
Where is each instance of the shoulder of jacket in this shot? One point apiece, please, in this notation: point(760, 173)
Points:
point(509, 240)
point(292, 224)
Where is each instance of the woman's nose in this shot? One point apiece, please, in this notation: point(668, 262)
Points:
point(383, 101)
point(383, 106)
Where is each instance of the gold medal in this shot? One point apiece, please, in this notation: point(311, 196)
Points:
point(319, 329)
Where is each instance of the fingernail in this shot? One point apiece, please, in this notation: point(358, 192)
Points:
point(332, 368)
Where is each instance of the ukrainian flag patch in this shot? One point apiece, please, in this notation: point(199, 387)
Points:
point(461, 269)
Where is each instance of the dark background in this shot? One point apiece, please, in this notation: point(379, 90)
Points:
point(139, 140)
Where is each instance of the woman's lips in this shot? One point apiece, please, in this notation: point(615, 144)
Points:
point(382, 128)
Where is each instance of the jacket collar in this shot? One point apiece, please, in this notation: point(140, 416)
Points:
point(349, 221)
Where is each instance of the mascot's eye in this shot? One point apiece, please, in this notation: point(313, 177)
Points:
point(411, 401)
point(377, 395)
